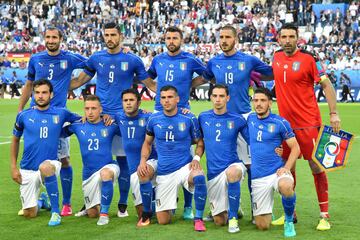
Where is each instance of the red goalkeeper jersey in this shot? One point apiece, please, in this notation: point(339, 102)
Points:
point(295, 77)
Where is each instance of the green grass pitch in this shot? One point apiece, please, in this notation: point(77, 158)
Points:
point(344, 197)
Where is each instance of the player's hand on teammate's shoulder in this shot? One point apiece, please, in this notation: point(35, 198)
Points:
point(145, 111)
point(16, 175)
point(282, 171)
point(107, 119)
point(335, 121)
point(185, 111)
point(126, 49)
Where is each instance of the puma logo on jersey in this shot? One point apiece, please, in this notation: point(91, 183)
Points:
point(207, 123)
point(41, 64)
point(32, 120)
point(101, 64)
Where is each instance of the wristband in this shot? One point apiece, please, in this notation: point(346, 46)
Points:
point(331, 113)
point(197, 158)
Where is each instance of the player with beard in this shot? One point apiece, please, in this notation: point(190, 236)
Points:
point(176, 68)
point(115, 72)
point(269, 172)
point(296, 71)
point(56, 66)
point(233, 69)
point(41, 126)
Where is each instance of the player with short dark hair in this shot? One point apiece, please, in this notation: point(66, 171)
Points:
point(174, 133)
point(41, 126)
point(132, 123)
point(225, 170)
point(56, 66)
point(269, 173)
point(176, 68)
point(99, 169)
point(296, 71)
point(115, 71)
point(233, 69)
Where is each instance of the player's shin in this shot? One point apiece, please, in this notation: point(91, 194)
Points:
point(107, 191)
point(321, 185)
point(124, 182)
point(188, 196)
point(234, 199)
point(146, 192)
point(289, 207)
point(200, 195)
point(66, 176)
point(51, 186)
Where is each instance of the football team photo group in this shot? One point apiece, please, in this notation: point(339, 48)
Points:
point(169, 160)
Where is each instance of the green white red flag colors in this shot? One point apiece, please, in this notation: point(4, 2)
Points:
point(332, 149)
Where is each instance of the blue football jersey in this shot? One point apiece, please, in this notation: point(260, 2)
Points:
point(115, 73)
point(58, 70)
point(176, 71)
point(133, 131)
point(95, 142)
point(41, 130)
point(265, 135)
point(220, 134)
point(173, 138)
point(234, 71)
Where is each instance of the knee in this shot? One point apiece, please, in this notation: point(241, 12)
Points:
point(286, 187)
point(233, 174)
point(65, 162)
point(106, 174)
point(47, 169)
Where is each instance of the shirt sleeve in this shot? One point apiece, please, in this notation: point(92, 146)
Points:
point(90, 67)
point(71, 117)
point(286, 130)
point(244, 130)
point(150, 127)
point(31, 70)
point(78, 61)
point(208, 74)
point(67, 131)
point(261, 67)
point(18, 126)
point(195, 128)
point(140, 71)
point(198, 66)
point(317, 70)
point(152, 70)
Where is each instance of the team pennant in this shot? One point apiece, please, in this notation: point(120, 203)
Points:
point(332, 149)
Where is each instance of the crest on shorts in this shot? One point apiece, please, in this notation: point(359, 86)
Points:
point(332, 149)
point(241, 66)
point(182, 66)
point(271, 128)
point(56, 119)
point(141, 122)
point(296, 66)
point(182, 126)
point(63, 64)
point(104, 132)
point(124, 66)
point(230, 124)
